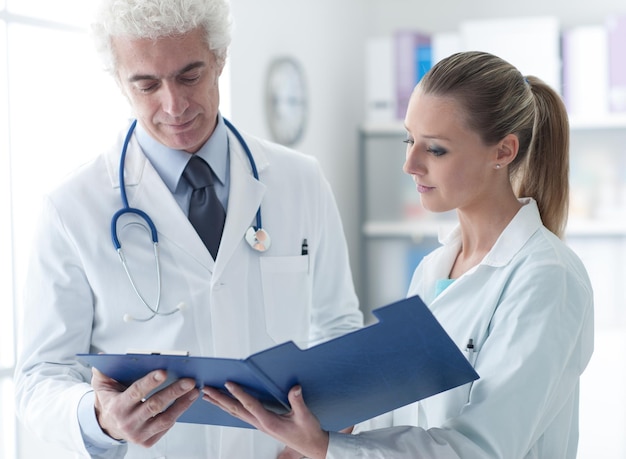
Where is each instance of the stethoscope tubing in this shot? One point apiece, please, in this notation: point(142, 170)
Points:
point(126, 209)
point(255, 172)
point(125, 206)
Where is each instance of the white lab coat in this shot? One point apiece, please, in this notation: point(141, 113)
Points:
point(78, 293)
point(528, 306)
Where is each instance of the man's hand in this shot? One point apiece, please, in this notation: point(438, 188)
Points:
point(126, 414)
point(289, 453)
point(299, 429)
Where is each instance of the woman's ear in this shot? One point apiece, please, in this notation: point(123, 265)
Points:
point(507, 150)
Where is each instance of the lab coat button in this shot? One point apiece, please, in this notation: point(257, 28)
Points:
point(218, 286)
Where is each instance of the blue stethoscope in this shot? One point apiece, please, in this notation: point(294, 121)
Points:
point(256, 236)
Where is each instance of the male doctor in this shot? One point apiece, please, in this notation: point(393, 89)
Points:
point(167, 56)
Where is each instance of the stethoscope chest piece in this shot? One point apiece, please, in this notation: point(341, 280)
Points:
point(258, 239)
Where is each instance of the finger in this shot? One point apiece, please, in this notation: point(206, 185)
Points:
point(166, 397)
point(100, 381)
point(223, 401)
point(248, 402)
point(296, 400)
point(139, 390)
point(161, 423)
point(217, 397)
point(171, 414)
point(231, 405)
point(300, 411)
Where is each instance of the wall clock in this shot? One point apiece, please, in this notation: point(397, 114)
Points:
point(286, 100)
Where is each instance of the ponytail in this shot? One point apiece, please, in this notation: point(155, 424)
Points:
point(544, 174)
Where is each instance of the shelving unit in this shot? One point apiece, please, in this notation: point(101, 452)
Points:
point(596, 230)
point(395, 232)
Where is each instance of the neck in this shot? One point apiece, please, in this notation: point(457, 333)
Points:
point(480, 229)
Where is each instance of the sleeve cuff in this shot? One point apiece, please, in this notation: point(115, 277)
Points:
point(93, 436)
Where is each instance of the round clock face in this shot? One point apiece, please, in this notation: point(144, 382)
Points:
point(286, 101)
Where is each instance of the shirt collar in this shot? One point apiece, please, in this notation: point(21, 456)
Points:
point(170, 163)
point(519, 230)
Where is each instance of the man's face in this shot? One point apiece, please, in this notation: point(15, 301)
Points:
point(172, 86)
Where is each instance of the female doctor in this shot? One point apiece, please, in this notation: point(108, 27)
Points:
point(493, 145)
point(144, 280)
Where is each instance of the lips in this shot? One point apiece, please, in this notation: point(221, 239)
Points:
point(180, 126)
point(424, 188)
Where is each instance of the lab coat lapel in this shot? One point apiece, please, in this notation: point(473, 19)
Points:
point(246, 194)
point(146, 191)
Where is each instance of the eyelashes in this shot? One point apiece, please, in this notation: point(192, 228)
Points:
point(436, 151)
point(432, 149)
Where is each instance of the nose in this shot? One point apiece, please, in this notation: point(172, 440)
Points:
point(413, 165)
point(173, 99)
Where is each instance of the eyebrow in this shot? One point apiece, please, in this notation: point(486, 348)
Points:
point(436, 137)
point(430, 137)
point(187, 68)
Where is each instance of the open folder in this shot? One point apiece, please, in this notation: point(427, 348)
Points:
point(404, 357)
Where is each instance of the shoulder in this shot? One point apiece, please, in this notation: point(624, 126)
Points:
point(89, 182)
point(545, 249)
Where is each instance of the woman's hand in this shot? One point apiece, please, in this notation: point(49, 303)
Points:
point(299, 429)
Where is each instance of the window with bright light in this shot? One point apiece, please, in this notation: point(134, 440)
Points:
point(7, 351)
point(72, 12)
point(58, 109)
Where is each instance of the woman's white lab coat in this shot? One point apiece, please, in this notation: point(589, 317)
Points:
point(78, 293)
point(528, 307)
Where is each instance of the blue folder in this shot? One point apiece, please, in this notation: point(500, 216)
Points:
point(404, 357)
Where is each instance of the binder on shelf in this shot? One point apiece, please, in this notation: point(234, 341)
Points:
point(413, 57)
point(404, 357)
point(393, 66)
point(616, 26)
point(586, 71)
point(380, 97)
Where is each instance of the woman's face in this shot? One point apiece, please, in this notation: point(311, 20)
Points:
point(450, 164)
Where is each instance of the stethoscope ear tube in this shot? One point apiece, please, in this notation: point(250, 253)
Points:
point(255, 173)
point(122, 181)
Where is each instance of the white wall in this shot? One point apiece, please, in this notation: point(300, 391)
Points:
point(326, 36)
point(445, 15)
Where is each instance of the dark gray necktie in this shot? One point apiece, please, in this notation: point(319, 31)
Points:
point(206, 213)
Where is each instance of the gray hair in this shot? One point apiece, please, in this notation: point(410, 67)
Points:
point(160, 18)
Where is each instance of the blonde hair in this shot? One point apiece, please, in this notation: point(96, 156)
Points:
point(499, 101)
point(159, 18)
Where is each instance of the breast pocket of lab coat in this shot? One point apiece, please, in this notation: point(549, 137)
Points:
point(287, 298)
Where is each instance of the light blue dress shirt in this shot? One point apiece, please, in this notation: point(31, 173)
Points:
point(170, 163)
